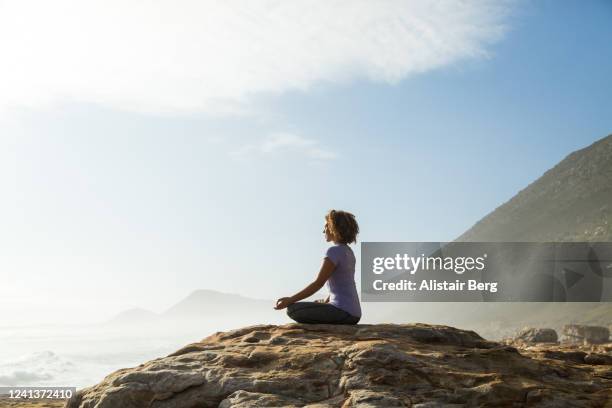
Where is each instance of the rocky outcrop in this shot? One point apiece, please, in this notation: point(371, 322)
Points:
point(582, 334)
point(384, 365)
point(536, 335)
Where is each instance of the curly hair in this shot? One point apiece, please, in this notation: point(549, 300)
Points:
point(342, 226)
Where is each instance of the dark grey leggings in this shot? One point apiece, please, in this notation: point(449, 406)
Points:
point(314, 312)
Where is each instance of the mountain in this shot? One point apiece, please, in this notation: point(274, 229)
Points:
point(207, 303)
point(572, 202)
point(201, 308)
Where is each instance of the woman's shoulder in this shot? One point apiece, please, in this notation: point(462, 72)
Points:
point(339, 248)
point(336, 252)
point(332, 249)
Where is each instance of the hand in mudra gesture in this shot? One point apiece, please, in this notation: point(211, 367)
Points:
point(282, 303)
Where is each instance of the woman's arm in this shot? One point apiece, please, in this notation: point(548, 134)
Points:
point(326, 270)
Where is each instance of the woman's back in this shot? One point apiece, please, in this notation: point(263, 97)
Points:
point(341, 284)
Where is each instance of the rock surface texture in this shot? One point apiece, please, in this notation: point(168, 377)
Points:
point(536, 335)
point(383, 365)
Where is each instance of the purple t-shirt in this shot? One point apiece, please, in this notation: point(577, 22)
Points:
point(341, 283)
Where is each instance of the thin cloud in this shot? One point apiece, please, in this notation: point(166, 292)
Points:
point(284, 143)
point(213, 56)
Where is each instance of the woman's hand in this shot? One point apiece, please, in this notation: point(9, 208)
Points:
point(326, 270)
point(283, 303)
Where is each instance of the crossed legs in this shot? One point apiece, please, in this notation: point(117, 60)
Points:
point(321, 313)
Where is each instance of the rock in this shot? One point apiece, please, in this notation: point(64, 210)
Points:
point(245, 399)
point(594, 358)
point(572, 356)
point(582, 334)
point(384, 365)
point(535, 335)
point(369, 398)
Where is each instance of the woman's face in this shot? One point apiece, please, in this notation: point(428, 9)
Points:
point(328, 235)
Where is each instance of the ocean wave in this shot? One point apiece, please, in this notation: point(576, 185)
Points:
point(38, 368)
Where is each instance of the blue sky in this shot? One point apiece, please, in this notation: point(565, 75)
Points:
point(136, 193)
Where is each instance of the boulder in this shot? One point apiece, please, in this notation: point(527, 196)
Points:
point(381, 365)
point(582, 334)
point(536, 335)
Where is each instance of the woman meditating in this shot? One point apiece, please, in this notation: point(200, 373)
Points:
point(338, 270)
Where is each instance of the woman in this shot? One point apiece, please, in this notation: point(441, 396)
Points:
point(338, 270)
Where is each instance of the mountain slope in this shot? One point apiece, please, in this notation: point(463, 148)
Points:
point(570, 202)
point(202, 305)
point(204, 302)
